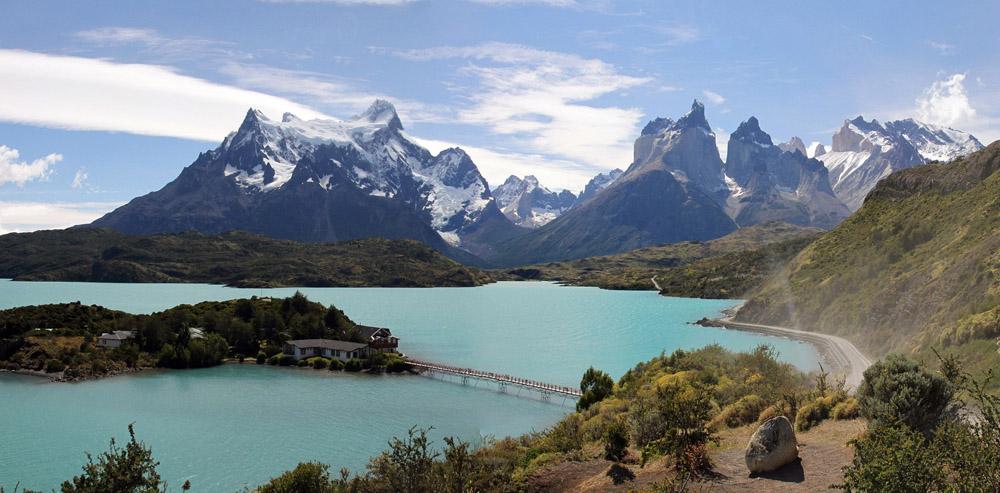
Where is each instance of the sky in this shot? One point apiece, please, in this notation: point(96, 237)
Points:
point(103, 101)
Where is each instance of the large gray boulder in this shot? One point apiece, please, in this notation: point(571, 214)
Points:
point(773, 445)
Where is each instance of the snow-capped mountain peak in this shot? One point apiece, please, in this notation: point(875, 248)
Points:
point(933, 142)
point(529, 204)
point(381, 112)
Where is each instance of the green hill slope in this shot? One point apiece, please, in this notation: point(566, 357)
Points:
point(238, 259)
point(725, 267)
point(916, 268)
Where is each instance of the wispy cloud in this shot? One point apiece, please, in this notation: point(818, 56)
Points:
point(14, 170)
point(167, 49)
point(942, 47)
point(33, 216)
point(339, 96)
point(713, 97)
point(92, 94)
point(540, 99)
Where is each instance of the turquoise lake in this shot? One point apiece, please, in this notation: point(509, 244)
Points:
point(235, 426)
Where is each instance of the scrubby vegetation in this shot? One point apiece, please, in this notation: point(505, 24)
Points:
point(916, 268)
point(236, 259)
point(927, 432)
point(63, 337)
point(726, 267)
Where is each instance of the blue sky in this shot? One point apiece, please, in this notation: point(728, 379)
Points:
point(101, 101)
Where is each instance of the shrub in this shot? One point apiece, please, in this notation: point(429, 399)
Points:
point(261, 358)
point(616, 441)
point(54, 366)
point(353, 365)
point(620, 474)
point(899, 388)
point(892, 457)
point(742, 412)
point(273, 360)
point(286, 360)
point(847, 409)
point(302, 363)
point(595, 385)
point(336, 365)
point(130, 469)
point(320, 363)
point(307, 477)
point(396, 364)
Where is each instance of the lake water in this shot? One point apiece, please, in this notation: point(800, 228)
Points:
point(237, 425)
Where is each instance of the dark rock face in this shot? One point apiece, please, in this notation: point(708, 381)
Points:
point(673, 191)
point(325, 180)
point(598, 183)
point(772, 446)
point(770, 184)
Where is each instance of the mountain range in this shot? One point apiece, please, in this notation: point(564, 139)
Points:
point(865, 152)
point(324, 181)
point(330, 180)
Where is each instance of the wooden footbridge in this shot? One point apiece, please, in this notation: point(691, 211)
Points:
point(503, 381)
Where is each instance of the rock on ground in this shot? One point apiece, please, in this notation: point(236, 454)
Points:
point(773, 445)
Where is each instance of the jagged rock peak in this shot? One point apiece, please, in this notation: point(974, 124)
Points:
point(288, 118)
point(695, 117)
point(794, 144)
point(382, 111)
point(749, 131)
point(655, 126)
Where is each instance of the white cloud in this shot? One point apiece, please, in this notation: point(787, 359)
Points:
point(713, 97)
point(946, 103)
point(942, 47)
point(91, 94)
point(496, 166)
point(33, 216)
point(537, 99)
point(13, 170)
point(81, 179)
point(339, 96)
point(151, 42)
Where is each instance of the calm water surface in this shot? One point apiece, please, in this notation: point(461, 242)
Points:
point(237, 425)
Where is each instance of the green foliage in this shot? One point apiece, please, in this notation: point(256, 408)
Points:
point(126, 470)
point(261, 358)
point(336, 365)
point(898, 388)
point(286, 360)
point(742, 412)
point(319, 363)
point(616, 441)
point(893, 458)
point(395, 363)
point(54, 366)
point(407, 466)
point(726, 267)
point(960, 454)
point(235, 259)
point(847, 409)
point(683, 411)
point(595, 385)
point(307, 477)
point(353, 365)
point(917, 267)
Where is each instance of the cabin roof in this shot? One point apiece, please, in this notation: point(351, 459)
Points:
point(328, 344)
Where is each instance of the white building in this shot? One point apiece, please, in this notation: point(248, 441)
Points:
point(327, 348)
point(114, 339)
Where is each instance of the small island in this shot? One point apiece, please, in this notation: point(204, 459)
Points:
point(72, 341)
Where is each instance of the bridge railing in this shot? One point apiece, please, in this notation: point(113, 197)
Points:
point(497, 377)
